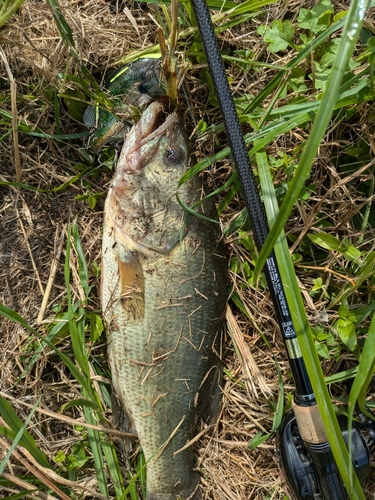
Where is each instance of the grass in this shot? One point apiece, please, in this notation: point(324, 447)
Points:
point(303, 90)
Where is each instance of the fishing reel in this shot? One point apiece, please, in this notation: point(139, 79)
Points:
point(311, 473)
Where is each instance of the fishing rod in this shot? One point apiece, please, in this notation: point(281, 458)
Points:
point(305, 453)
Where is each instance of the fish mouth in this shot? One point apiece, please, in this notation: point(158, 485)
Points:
point(154, 122)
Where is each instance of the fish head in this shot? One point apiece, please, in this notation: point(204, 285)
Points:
point(154, 83)
point(157, 141)
point(142, 201)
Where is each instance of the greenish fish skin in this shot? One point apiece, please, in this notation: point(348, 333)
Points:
point(163, 295)
point(133, 87)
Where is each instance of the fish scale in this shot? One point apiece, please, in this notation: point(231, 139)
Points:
point(164, 282)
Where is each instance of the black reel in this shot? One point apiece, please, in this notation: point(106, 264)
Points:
point(299, 470)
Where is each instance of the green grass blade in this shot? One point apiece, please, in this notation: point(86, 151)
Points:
point(286, 118)
point(8, 313)
point(366, 272)
point(79, 402)
point(114, 468)
point(22, 494)
point(82, 264)
point(72, 180)
point(304, 335)
point(341, 376)
point(57, 137)
point(132, 488)
point(95, 438)
point(141, 468)
point(362, 380)
point(8, 9)
point(236, 224)
point(349, 37)
point(21, 434)
point(193, 212)
point(19, 437)
point(76, 327)
point(303, 54)
point(61, 24)
point(212, 4)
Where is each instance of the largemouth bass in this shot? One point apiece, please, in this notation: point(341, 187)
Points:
point(163, 293)
point(132, 86)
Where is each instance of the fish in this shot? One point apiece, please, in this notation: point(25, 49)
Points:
point(132, 86)
point(164, 285)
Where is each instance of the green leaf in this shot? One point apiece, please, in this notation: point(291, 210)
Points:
point(59, 457)
point(96, 327)
point(316, 19)
point(352, 253)
point(346, 331)
point(75, 103)
point(322, 350)
point(77, 458)
point(305, 52)
point(258, 439)
point(91, 200)
point(79, 402)
point(318, 283)
point(344, 310)
point(278, 36)
point(325, 240)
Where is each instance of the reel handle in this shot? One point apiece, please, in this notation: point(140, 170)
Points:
point(330, 484)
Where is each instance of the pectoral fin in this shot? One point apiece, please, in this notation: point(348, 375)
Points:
point(210, 395)
point(131, 286)
point(122, 422)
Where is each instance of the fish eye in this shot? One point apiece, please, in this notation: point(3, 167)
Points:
point(172, 155)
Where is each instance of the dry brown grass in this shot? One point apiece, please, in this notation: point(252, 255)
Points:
point(31, 225)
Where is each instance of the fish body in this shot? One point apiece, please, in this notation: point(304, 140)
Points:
point(132, 86)
point(163, 293)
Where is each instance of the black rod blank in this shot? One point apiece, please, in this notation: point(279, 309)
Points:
point(252, 199)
